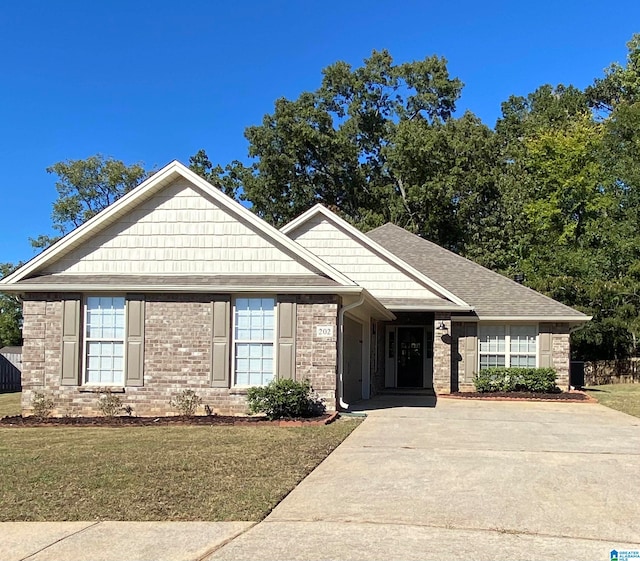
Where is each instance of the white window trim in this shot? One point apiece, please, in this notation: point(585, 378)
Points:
point(235, 297)
point(85, 339)
point(507, 341)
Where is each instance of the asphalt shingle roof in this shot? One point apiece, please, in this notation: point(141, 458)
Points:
point(490, 293)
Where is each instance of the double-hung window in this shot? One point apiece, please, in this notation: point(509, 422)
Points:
point(508, 345)
point(104, 340)
point(253, 337)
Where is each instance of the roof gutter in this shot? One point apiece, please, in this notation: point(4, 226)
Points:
point(342, 403)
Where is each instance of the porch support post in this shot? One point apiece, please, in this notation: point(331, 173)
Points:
point(442, 353)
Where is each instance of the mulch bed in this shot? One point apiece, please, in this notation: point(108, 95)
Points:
point(574, 396)
point(202, 420)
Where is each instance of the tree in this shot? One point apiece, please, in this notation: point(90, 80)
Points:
point(225, 179)
point(621, 84)
point(376, 143)
point(10, 313)
point(85, 187)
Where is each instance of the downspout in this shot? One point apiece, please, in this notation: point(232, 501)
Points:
point(344, 309)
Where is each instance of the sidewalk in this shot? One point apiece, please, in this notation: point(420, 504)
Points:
point(115, 541)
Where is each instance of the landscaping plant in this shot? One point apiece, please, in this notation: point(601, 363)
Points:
point(109, 404)
point(42, 405)
point(187, 402)
point(501, 379)
point(285, 399)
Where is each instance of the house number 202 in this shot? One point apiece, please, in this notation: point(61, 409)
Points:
point(324, 330)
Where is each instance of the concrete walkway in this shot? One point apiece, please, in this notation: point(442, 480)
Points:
point(463, 480)
point(114, 541)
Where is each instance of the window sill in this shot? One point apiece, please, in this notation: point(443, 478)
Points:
point(101, 389)
point(239, 390)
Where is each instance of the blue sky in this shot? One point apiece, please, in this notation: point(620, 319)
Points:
point(157, 80)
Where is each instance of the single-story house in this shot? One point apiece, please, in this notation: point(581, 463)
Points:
point(176, 286)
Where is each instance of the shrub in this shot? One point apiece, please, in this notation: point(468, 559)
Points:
point(109, 404)
point(502, 379)
point(285, 399)
point(186, 402)
point(42, 405)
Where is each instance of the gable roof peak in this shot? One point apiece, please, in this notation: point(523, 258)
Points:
point(150, 186)
point(377, 248)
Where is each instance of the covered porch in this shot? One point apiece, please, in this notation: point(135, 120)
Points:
point(409, 354)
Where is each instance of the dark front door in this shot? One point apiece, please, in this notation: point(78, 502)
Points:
point(410, 357)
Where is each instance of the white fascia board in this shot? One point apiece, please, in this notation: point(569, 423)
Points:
point(375, 247)
point(163, 177)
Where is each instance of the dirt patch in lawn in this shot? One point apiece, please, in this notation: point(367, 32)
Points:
point(201, 420)
point(522, 396)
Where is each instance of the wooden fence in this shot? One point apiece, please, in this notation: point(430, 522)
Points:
point(10, 370)
point(601, 372)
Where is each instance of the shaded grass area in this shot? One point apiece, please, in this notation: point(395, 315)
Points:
point(9, 404)
point(622, 397)
point(157, 473)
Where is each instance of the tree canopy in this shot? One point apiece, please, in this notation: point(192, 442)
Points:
point(10, 313)
point(85, 187)
point(552, 191)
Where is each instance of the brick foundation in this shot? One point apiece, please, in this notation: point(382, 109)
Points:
point(177, 356)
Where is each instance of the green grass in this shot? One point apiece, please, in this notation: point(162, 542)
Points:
point(156, 473)
point(9, 404)
point(622, 397)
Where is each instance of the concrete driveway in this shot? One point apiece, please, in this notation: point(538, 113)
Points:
point(464, 480)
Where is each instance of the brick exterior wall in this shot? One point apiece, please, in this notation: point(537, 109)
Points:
point(442, 354)
point(317, 357)
point(177, 356)
point(561, 354)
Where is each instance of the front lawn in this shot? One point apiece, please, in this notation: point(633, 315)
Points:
point(157, 473)
point(622, 397)
point(9, 404)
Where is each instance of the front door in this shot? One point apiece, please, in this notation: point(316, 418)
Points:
point(410, 357)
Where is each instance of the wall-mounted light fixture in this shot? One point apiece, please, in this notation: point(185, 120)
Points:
point(441, 327)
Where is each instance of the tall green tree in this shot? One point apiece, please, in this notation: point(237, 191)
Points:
point(620, 84)
point(225, 179)
point(10, 313)
point(85, 187)
point(374, 143)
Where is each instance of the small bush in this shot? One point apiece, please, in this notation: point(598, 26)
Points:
point(186, 402)
point(109, 404)
point(285, 399)
point(502, 379)
point(42, 405)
